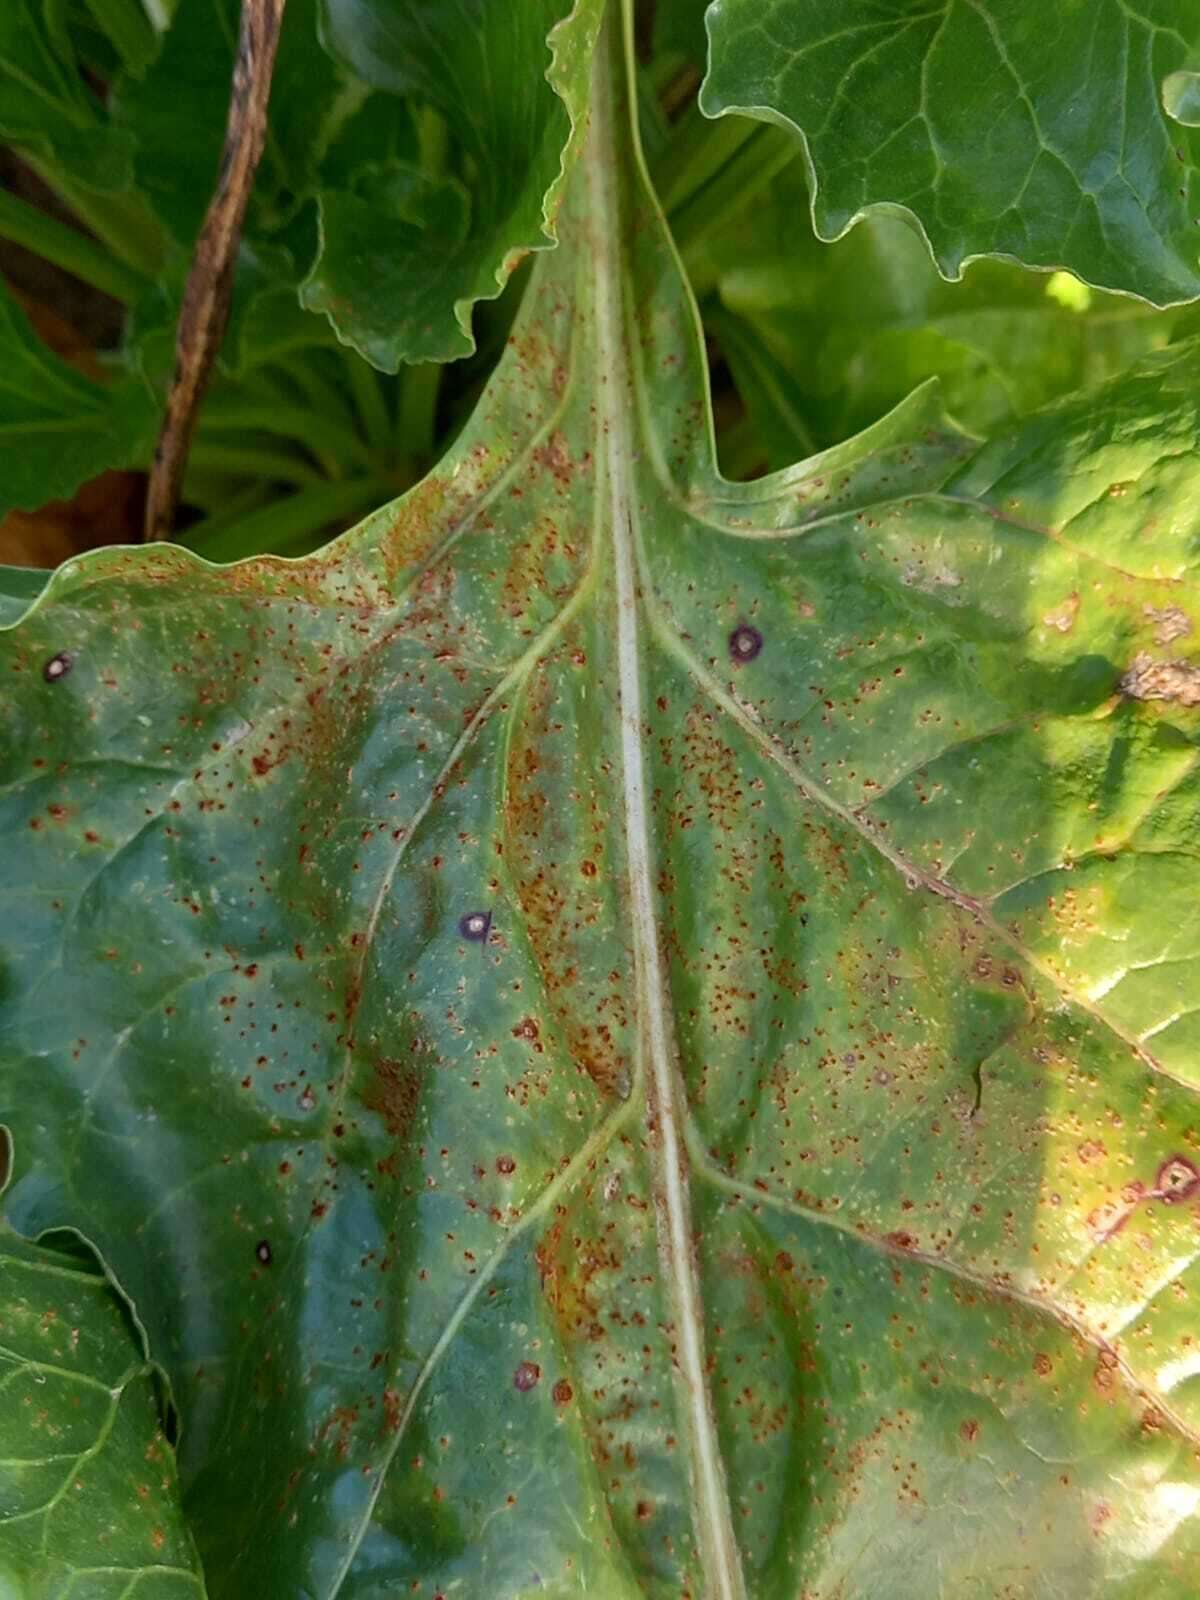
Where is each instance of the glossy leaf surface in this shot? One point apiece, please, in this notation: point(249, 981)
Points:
point(1005, 127)
point(627, 1033)
point(89, 1502)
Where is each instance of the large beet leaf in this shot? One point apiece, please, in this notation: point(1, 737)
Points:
point(626, 1033)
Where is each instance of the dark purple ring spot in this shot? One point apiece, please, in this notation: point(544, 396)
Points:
point(58, 666)
point(527, 1376)
point(745, 643)
point(476, 926)
point(263, 1251)
point(1177, 1180)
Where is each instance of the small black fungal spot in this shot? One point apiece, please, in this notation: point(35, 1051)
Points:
point(263, 1251)
point(745, 643)
point(58, 666)
point(476, 926)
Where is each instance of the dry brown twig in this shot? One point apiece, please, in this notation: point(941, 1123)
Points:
point(205, 309)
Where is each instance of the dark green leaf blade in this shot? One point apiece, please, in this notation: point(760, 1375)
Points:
point(176, 114)
point(403, 257)
point(1009, 129)
point(89, 1501)
point(627, 1033)
point(45, 107)
point(127, 26)
point(57, 427)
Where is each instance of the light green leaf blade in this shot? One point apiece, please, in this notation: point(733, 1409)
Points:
point(1006, 129)
point(405, 257)
point(590, 1018)
point(57, 427)
point(18, 587)
point(89, 1502)
point(1181, 97)
point(858, 324)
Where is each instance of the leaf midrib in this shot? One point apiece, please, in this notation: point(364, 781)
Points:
point(666, 1097)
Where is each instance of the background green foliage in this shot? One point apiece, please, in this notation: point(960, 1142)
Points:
point(406, 174)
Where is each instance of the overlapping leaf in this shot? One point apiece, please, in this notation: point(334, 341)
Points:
point(57, 426)
point(1006, 127)
point(627, 1033)
point(838, 334)
point(407, 252)
point(89, 1502)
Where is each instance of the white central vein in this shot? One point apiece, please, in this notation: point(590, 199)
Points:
point(714, 1523)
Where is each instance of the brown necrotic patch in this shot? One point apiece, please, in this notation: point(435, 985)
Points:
point(566, 912)
point(1172, 623)
point(1174, 681)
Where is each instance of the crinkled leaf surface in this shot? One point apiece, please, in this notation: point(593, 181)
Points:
point(404, 254)
point(630, 1034)
point(1007, 127)
point(89, 1502)
point(58, 427)
point(434, 137)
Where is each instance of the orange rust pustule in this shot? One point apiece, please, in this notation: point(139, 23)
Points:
point(554, 457)
point(568, 1265)
point(558, 910)
point(901, 1239)
point(393, 1410)
point(417, 527)
point(528, 1030)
